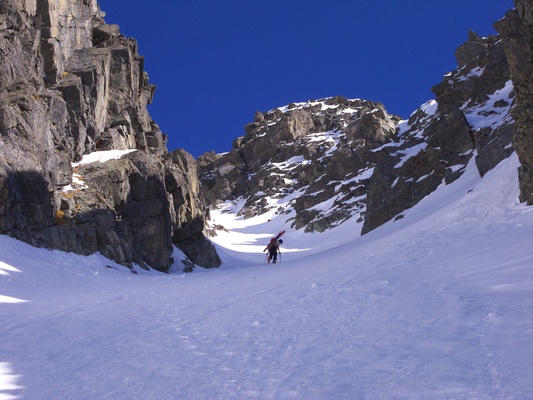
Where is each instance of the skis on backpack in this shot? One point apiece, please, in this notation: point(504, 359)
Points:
point(280, 234)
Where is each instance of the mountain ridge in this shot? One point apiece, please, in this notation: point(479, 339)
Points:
point(70, 87)
point(358, 159)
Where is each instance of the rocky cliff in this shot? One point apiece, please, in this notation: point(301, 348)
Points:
point(516, 31)
point(71, 86)
point(325, 161)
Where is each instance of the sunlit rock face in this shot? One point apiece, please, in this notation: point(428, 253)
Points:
point(70, 86)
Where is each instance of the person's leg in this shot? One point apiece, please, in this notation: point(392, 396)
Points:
point(272, 255)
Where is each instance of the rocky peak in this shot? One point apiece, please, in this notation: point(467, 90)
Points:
point(323, 162)
point(304, 152)
point(472, 49)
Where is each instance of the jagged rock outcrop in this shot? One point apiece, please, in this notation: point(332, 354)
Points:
point(71, 85)
point(469, 117)
point(516, 31)
point(188, 209)
point(325, 161)
point(305, 152)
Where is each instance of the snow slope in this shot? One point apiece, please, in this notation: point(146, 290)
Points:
point(436, 305)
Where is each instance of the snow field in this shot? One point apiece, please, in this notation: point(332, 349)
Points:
point(436, 305)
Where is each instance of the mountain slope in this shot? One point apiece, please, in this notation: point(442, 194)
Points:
point(434, 305)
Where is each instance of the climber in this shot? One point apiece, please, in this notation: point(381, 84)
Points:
point(273, 250)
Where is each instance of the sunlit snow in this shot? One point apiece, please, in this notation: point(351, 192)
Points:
point(494, 113)
point(103, 156)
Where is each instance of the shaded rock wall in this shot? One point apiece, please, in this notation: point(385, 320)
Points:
point(188, 209)
point(469, 117)
point(516, 31)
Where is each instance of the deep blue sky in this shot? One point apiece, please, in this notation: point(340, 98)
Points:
point(216, 62)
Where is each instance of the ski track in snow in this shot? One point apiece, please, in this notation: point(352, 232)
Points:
point(436, 305)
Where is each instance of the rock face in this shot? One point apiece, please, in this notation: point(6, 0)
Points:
point(70, 85)
point(312, 153)
point(469, 117)
point(516, 30)
point(323, 162)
